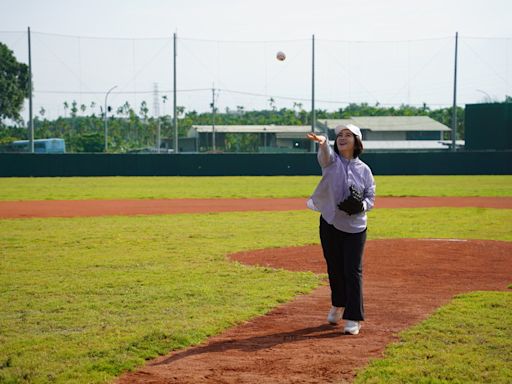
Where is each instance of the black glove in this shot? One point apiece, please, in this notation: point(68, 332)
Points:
point(354, 203)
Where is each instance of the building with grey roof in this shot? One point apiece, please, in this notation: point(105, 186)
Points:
point(264, 138)
point(379, 133)
point(396, 132)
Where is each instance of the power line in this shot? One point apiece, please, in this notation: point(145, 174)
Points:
point(387, 41)
point(243, 41)
point(245, 93)
point(251, 41)
point(120, 92)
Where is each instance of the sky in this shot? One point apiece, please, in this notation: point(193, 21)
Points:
point(387, 52)
point(262, 19)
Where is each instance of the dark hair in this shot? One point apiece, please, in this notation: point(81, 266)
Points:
point(358, 146)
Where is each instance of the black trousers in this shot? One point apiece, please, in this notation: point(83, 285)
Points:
point(343, 253)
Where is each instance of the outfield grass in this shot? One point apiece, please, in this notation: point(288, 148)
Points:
point(466, 341)
point(462, 223)
point(77, 188)
point(84, 299)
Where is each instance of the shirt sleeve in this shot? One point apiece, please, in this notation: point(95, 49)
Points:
point(369, 192)
point(326, 155)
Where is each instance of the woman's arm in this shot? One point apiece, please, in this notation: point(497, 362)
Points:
point(325, 154)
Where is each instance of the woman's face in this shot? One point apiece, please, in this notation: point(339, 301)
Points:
point(345, 141)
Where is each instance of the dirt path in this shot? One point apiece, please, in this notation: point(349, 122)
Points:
point(405, 281)
point(72, 208)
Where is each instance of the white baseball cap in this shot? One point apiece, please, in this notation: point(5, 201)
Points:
point(351, 127)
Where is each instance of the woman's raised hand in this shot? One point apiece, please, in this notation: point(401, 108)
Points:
point(318, 138)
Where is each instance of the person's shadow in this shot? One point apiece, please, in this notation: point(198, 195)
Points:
point(256, 343)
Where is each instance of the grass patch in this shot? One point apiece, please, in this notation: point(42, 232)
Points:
point(84, 299)
point(460, 223)
point(79, 188)
point(481, 185)
point(466, 341)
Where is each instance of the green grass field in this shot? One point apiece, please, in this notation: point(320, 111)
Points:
point(84, 299)
point(466, 341)
point(72, 188)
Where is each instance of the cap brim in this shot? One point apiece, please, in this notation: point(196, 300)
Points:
point(351, 127)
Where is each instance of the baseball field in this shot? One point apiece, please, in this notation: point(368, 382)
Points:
point(89, 298)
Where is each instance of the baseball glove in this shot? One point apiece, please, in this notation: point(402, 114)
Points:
point(354, 203)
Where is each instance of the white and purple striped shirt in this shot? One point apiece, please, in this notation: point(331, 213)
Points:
point(338, 174)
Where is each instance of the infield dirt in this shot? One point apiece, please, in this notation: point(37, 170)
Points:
point(405, 281)
point(73, 208)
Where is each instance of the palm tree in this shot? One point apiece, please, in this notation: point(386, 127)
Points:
point(144, 109)
point(74, 108)
point(93, 105)
point(272, 103)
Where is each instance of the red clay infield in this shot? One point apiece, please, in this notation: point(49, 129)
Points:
point(72, 208)
point(405, 281)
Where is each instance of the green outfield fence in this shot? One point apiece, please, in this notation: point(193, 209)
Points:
point(385, 163)
point(488, 126)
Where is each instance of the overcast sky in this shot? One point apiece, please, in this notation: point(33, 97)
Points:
point(262, 19)
point(276, 22)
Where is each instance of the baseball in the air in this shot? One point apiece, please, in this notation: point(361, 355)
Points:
point(280, 56)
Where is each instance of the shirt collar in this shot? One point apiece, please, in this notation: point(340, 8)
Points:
point(345, 161)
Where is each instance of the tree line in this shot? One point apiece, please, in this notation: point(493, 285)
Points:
point(131, 130)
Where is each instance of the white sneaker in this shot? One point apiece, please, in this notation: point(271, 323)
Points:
point(352, 327)
point(334, 315)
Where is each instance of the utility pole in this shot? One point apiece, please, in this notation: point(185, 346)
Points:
point(454, 112)
point(31, 120)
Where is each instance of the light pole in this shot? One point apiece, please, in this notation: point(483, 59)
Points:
point(106, 111)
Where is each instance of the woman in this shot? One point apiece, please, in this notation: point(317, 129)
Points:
point(343, 196)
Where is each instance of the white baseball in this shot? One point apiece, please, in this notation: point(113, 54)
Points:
point(280, 56)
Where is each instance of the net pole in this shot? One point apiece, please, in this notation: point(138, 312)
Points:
point(313, 112)
point(454, 108)
point(175, 119)
point(30, 118)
